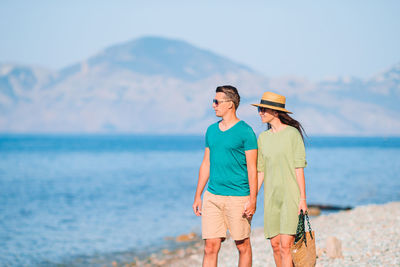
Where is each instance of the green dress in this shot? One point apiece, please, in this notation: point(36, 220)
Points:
point(279, 154)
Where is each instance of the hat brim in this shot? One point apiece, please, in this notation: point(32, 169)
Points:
point(272, 107)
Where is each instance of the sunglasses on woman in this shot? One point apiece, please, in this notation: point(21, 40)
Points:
point(217, 102)
point(261, 109)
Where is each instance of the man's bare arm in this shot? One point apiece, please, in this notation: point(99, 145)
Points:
point(204, 174)
point(251, 159)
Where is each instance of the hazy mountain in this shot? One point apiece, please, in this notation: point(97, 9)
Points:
point(17, 83)
point(157, 85)
point(159, 56)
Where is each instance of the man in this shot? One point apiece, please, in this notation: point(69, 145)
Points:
point(229, 164)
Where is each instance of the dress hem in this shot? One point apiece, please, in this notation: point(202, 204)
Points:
point(280, 233)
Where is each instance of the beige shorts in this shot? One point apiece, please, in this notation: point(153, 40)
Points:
point(222, 213)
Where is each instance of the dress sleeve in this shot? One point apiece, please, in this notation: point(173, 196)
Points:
point(260, 158)
point(299, 152)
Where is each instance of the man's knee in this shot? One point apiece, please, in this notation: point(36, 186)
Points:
point(212, 246)
point(243, 246)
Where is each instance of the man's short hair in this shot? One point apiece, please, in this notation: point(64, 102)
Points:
point(231, 93)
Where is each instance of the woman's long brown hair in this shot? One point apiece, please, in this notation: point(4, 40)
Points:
point(286, 119)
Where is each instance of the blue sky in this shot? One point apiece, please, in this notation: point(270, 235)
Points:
point(312, 39)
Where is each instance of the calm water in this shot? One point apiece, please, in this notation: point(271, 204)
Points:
point(76, 200)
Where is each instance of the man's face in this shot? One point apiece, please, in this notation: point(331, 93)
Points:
point(223, 106)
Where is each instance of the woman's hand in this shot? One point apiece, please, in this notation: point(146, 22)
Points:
point(302, 206)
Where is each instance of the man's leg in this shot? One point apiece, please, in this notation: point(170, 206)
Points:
point(239, 227)
point(213, 227)
point(245, 254)
point(276, 248)
point(211, 249)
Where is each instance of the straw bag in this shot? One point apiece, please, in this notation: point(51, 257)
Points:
point(303, 249)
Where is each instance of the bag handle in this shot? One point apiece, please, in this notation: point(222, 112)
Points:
point(300, 227)
point(300, 232)
point(308, 223)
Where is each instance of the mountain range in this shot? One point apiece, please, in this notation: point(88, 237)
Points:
point(155, 85)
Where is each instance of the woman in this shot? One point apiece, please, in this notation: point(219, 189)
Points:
point(281, 159)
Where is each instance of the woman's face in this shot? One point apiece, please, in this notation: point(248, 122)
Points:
point(267, 115)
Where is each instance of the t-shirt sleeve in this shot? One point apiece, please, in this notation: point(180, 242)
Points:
point(250, 139)
point(299, 152)
point(206, 139)
point(260, 158)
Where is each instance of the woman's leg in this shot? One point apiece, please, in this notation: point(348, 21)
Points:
point(286, 242)
point(276, 248)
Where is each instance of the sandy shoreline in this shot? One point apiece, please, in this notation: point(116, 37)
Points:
point(369, 235)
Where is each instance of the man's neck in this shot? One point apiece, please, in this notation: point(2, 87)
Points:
point(230, 118)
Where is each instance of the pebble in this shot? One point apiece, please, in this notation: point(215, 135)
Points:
point(369, 236)
point(314, 211)
point(186, 238)
point(334, 247)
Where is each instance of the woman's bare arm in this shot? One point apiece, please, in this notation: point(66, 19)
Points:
point(302, 186)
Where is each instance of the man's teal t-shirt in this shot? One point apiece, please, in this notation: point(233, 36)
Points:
point(228, 167)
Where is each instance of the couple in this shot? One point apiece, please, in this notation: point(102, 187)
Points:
point(230, 165)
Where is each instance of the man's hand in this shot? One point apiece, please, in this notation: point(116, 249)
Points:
point(249, 209)
point(197, 206)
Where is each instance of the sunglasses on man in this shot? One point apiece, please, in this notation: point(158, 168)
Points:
point(217, 102)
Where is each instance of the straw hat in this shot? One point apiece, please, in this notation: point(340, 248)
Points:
point(273, 101)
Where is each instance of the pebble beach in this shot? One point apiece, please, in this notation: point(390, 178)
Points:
point(367, 236)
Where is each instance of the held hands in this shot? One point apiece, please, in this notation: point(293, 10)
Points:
point(197, 206)
point(302, 206)
point(249, 209)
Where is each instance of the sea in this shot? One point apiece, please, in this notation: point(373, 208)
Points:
point(86, 200)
